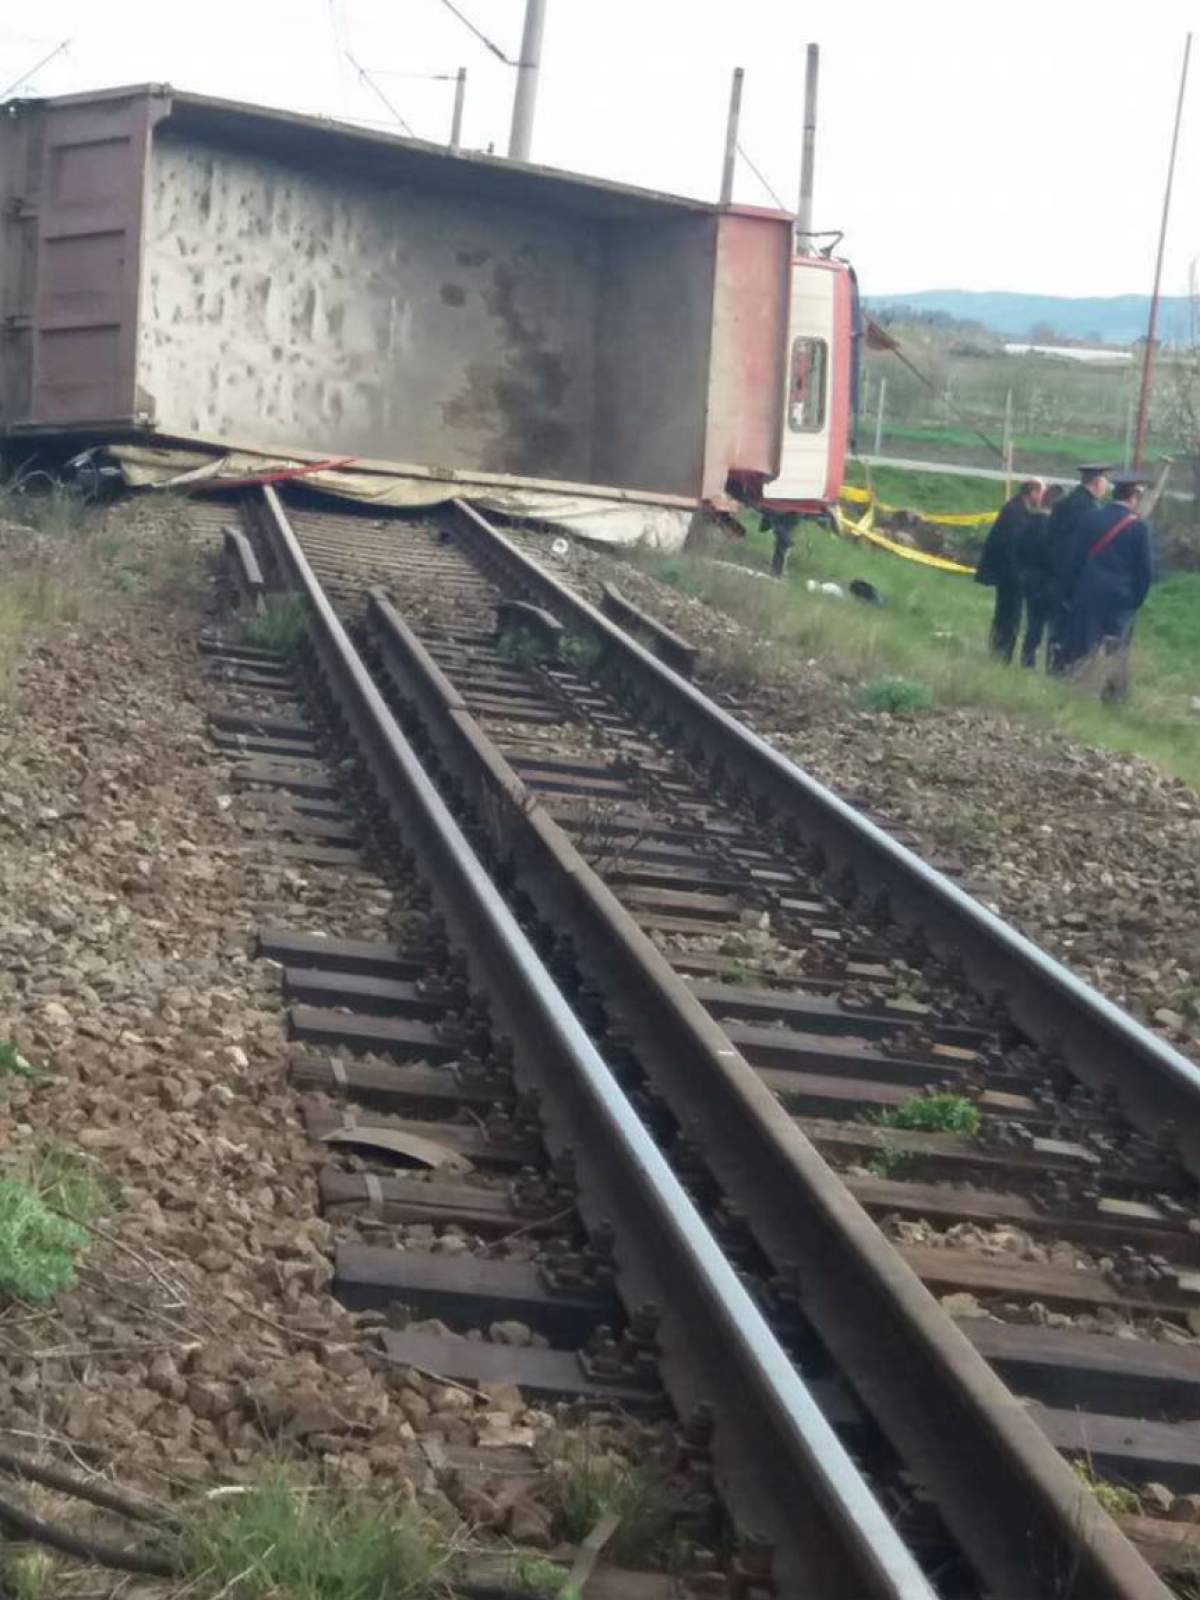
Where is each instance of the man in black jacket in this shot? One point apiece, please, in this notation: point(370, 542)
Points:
point(1034, 574)
point(1117, 571)
point(998, 564)
point(1068, 543)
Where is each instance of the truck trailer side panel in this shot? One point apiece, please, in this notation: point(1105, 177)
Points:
point(292, 307)
point(652, 353)
point(75, 183)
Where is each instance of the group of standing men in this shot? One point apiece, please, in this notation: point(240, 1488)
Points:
point(1078, 565)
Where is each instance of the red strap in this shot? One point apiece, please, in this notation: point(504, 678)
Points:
point(1105, 539)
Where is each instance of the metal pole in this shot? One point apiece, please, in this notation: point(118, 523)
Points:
point(1008, 443)
point(731, 136)
point(809, 153)
point(460, 95)
point(882, 401)
point(520, 138)
point(1139, 437)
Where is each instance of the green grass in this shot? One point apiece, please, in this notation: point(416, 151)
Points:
point(933, 631)
point(70, 1183)
point(929, 492)
point(1072, 447)
point(278, 1541)
point(592, 1485)
point(37, 1247)
point(1115, 1498)
point(28, 1575)
point(537, 1576)
point(14, 1065)
point(46, 1205)
point(933, 1113)
point(899, 697)
point(280, 625)
point(581, 651)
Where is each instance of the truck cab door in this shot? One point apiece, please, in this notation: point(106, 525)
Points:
point(816, 397)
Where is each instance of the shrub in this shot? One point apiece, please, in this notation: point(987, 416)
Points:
point(279, 626)
point(899, 697)
point(933, 1113)
point(37, 1248)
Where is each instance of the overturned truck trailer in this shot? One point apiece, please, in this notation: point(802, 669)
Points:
point(175, 268)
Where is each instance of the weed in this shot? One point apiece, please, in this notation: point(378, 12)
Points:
point(738, 972)
point(899, 697)
point(279, 626)
point(14, 1065)
point(970, 824)
point(1115, 1498)
point(275, 1541)
point(27, 1575)
point(38, 502)
point(539, 1576)
point(602, 839)
point(932, 1113)
point(888, 1161)
point(522, 648)
point(37, 1247)
point(593, 1484)
point(581, 651)
point(69, 1183)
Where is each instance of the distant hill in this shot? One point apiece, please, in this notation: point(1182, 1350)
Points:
point(1119, 319)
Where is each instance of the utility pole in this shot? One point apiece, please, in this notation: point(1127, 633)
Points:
point(879, 406)
point(804, 218)
point(1139, 437)
point(525, 100)
point(1008, 444)
point(731, 136)
point(460, 95)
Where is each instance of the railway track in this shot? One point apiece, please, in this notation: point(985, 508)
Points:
point(768, 975)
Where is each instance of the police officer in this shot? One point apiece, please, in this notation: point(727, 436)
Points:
point(1116, 573)
point(1032, 556)
point(998, 564)
point(1067, 541)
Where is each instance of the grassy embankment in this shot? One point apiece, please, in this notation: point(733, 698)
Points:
point(933, 632)
point(1066, 450)
point(64, 562)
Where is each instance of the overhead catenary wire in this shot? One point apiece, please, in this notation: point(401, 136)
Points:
point(37, 67)
point(488, 44)
point(366, 78)
point(759, 175)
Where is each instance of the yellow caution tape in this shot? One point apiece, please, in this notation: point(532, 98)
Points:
point(965, 519)
point(864, 529)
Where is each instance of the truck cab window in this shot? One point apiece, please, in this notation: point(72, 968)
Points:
point(806, 390)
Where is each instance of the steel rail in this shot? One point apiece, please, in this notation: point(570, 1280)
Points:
point(831, 1536)
point(1012, 1502)
point(1104, 1046)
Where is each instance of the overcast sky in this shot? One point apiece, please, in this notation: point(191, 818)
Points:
point(1021, 146)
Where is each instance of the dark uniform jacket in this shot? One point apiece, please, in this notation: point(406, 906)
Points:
point(1032, 557)
point(997, 562)
point(1068, 541)
point(1116, 575)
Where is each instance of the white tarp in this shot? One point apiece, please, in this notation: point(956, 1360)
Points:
point(599, 520)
